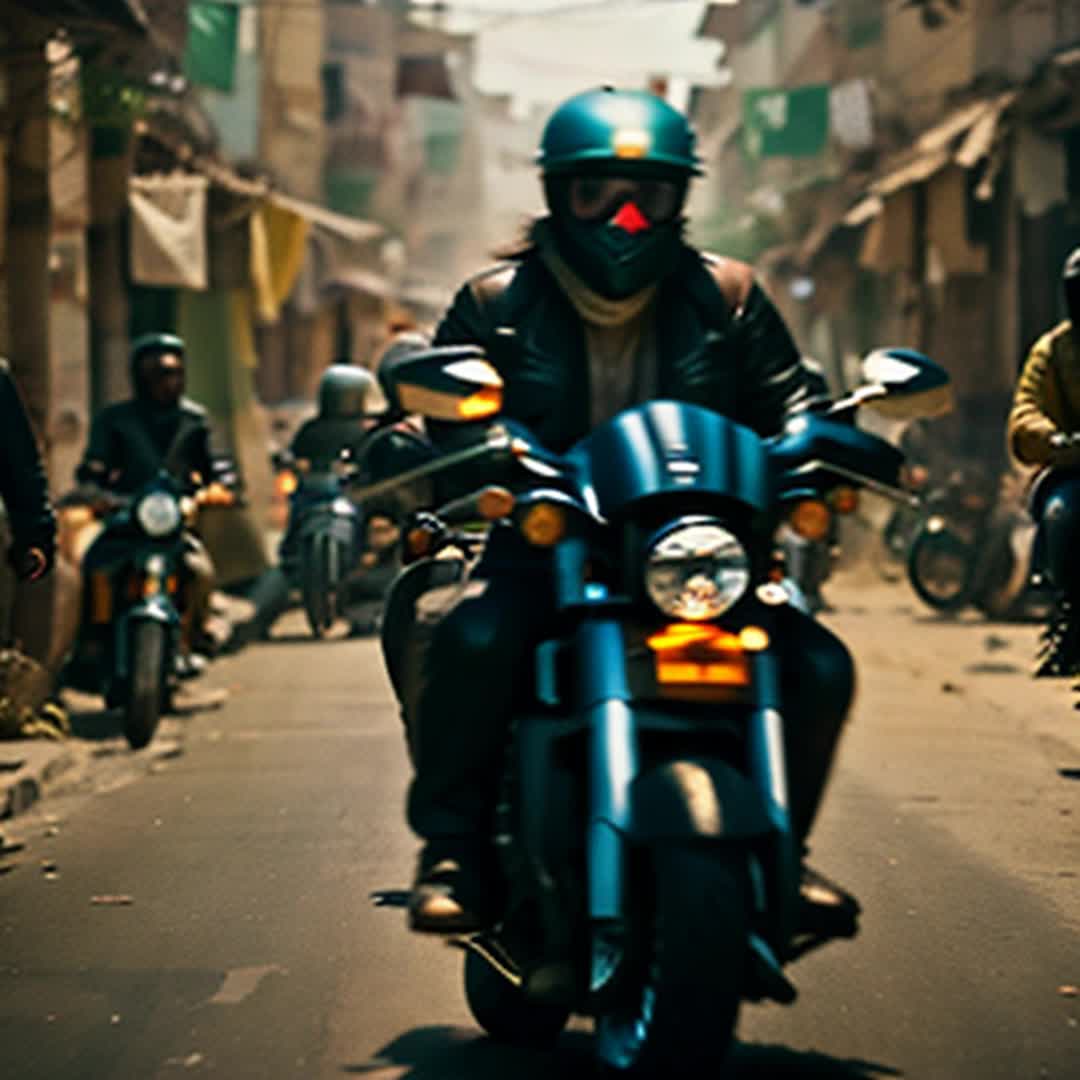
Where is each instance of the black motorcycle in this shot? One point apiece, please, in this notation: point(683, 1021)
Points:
point(131, 612)
point(653, 878)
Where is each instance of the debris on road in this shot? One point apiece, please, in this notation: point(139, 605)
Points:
point(111, 900)
point(951, 688)
point(49, 870)
point(1069, 991)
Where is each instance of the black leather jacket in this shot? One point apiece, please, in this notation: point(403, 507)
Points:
point(131, 442)
point(721, 344)
point(23, 484)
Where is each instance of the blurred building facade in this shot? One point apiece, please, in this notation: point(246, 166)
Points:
point(901, 173)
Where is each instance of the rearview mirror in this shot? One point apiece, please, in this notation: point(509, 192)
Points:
point(449, 382)
point(909, 384)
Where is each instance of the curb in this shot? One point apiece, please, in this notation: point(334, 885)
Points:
point(27, 768)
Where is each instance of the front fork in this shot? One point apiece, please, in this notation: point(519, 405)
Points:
point(614, 763)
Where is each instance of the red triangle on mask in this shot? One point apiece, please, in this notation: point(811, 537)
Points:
point(631, 219)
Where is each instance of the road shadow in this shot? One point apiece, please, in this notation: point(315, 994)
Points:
point(452, 1053)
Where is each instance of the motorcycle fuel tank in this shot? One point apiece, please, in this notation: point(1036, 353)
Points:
point(667, 447)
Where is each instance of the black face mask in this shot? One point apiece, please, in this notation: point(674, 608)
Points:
point(615, 260)
point(617, 263)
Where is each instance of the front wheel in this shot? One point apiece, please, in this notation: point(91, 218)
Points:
point(142, 710)
point(941, 570)
point(683, 992)
point(504, 1012)
point(321, 580)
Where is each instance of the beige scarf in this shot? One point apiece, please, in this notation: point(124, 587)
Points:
point(618, 337)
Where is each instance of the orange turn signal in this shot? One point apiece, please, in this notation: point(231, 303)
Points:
point(287, 482)
point(419, 542)
point(484, 403)
point(544, 524)
point(811, 518)
point(844, 500)
point(495, 503)
point(686, 673)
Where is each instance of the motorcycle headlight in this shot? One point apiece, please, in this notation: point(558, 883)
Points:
point(697, 571)
point(158, 514)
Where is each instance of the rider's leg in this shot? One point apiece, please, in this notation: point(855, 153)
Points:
point(817, 687)
point(473, 649)
point(1059, 527)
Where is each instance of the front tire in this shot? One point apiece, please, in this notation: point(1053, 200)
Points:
point(321, 570)
point(142, 710)
point(941, 570)
point(679, 1014)
point(504, 1012)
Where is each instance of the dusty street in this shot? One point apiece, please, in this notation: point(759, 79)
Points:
point(214, 916)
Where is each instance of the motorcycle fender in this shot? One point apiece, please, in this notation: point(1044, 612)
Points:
point(696, 798)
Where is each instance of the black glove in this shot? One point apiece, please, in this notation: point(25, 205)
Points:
point(32, 559)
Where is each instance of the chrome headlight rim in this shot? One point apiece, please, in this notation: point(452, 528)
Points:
point(158, 514)
point(719, 591)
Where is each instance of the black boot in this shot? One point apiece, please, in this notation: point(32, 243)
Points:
point(826, 910)
point(456, 888)
point(1059, 646)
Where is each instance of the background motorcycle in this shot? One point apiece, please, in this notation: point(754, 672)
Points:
point(975, 546)
point(328, 537)
point(131, 611)
point(653, 878)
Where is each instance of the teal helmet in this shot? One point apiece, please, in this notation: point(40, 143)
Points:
point(625, 130)
point(345, 392)
point(616, 167)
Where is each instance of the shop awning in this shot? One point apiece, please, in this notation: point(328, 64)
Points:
point(965, 138)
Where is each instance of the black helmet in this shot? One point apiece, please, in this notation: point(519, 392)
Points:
point(617, 165)
point(154, 343)
point(344, 392)
point(1071, 280)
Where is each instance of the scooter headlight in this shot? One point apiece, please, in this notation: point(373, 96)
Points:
point(697, 571)
point(158, 514)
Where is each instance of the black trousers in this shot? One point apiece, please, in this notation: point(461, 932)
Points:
point(463, 662)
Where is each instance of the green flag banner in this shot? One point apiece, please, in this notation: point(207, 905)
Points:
point(210, 57)
point(786, 123)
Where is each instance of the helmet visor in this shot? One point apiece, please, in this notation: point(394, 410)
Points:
point(599, 198)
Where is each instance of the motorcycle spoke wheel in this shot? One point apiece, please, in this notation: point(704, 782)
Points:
point(681, 1006)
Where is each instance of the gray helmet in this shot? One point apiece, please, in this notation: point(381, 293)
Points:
point(345, 392)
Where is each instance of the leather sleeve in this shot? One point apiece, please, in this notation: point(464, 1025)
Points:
point(1030, 423)
point(23, 483)
point(98, 459)
point(773, 380)
point(464, 322)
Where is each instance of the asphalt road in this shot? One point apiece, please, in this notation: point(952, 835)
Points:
point(214, 915)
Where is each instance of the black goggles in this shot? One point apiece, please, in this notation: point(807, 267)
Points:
point(600, 198)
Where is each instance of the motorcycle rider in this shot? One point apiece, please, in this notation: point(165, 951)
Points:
point(604, 307)
point(24, 487)
point(132, 441)
point(346, 398)
point(1045, 412)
